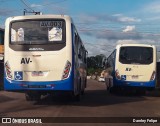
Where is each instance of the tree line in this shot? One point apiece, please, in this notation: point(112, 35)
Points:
point(95, 64)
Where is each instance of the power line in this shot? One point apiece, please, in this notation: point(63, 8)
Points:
point(60, 9)
point(23, 1)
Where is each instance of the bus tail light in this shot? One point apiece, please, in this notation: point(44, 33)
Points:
point(153, 76)
point(66, 70)
point(8, 70)
point(117, 75)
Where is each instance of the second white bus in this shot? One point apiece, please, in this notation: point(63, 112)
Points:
point(133, 66)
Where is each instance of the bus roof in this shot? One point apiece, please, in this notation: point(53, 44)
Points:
point(40, 17)
point(143, 45)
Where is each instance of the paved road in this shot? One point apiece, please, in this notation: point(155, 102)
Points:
point(96, 102)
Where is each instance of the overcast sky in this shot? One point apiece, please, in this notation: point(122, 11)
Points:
point(102, 24)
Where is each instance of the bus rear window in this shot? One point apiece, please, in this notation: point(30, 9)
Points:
point(136, 55)
point(37, 32)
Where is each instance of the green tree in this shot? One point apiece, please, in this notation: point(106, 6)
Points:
point(95, 64)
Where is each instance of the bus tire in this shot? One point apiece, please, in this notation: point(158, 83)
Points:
point(83, 87)
point(112, 90)
point(77, 97)
point(82, 92)
point(37, 97)
point(141, 91)
point(33, 96)
point(29, 97)
point(109, 86)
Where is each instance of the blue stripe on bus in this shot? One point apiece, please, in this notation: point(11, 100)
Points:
point(62, 85)
point(151, 84)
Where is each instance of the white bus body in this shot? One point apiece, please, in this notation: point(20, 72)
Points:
point(43, 53)
point(133, 65)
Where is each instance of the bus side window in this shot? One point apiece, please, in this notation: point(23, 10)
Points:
point(108, 65)
point(85, 59)
point(80, 53)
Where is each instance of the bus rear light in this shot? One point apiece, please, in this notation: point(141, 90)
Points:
point(117, 75)
point(66, 70)
point(153, 76)
point(8, 70)
point(50, 85)
point(24, 85)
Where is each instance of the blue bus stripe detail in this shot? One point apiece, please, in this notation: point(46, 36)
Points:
point(63, 85)
point(133, 83)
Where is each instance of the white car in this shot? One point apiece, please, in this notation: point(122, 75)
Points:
point(101, 79)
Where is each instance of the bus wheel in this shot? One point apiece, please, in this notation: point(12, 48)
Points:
point(85, 82)
point(37, 97)
point(112, 90)
point(77, 96)
point(33, 96)
point(141, 91)
point(82, 90)
point(29, 97)
point(109, 86)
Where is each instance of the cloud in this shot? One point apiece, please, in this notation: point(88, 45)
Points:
point(152, 7)
point(155, 18)
point(129, 19)
point(116, 18)
point(122, 18)
point(5, 12)
point(105, 42)
point(2, 26)
point(84, 18)
point(113, 29)
point(130, 41)
point(101, 47)
point(106, 47)
point(129, 29)
point(112, 35)
point(151, 11)
point(36, 5)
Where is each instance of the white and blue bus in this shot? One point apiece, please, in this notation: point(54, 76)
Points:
point(44, 54)
point(132, 66)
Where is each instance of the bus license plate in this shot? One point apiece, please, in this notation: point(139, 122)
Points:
point(37, 73)
point(135, 77)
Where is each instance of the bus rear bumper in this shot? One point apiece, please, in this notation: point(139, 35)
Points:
point(148, 84)
point(62, 85)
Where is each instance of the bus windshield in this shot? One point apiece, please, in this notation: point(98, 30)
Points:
point(136, 55)
point(37, 32)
